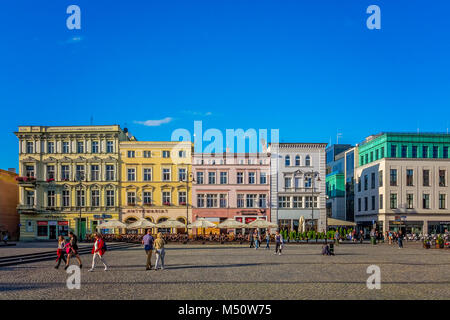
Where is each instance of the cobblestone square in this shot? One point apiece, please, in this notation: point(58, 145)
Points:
point(238, 272)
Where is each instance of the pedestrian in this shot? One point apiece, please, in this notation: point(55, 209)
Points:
point(160, 252)
point(361, 236)
point(278, 243)
point(400, 239)
point(98, 250)
point(267, 240)
point(336, 237)
point(256, 240)
point(73, 250)
point(5, 237)
point(251, 239)
point(60, 251)
point(147, 241)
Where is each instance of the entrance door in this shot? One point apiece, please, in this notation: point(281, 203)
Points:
point(81, 233)
point(52, 232)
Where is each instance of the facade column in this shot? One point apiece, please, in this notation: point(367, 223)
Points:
point(425, 227)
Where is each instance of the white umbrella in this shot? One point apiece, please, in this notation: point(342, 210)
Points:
point(170, 224)
point(141, 224)
point(262, 224)
point(231, 224)
point(111, 224)
point(202, 223)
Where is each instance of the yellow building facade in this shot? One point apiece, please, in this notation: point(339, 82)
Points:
point(68, 179)
point(156, 181)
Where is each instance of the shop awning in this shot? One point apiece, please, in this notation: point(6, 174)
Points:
point(331, 222)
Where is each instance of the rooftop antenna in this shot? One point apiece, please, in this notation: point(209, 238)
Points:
point(338, 135)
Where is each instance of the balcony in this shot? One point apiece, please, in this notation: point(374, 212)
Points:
point(26, 181)
point(26, 209)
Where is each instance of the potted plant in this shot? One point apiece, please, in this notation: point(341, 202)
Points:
point(166, 203)
point(440, 243)
point(50, 179)
point(426, 244)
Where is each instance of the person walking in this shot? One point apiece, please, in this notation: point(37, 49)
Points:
point(267, 240)
point(60, 251)
point(147, 241)
point(73, 245)
point(336, 237)
point(5, 237)
point(251, 239)
point(361, 236)
point(257, 240)
point(278, 243)
point(98, 250)
point(160, 252)
point(400, 239)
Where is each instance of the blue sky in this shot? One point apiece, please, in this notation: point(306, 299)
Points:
point(307, 68)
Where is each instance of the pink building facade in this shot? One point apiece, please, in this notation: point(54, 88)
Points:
point(231, 185)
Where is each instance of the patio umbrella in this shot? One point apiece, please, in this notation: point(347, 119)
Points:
point(202, 223)
point(262, 224)
point(301, 224)
point(170, 224)
point(231, 224)
point(111, 224)
point(141, 224)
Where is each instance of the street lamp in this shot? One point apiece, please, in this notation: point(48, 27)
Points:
point(80, 178)
point(189, 178)
point(312, 175)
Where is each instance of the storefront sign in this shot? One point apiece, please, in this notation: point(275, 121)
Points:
point(146, 211)
point(42, 223)
point(103, 216)
point(248, 220)
point(52, 223)
point(63, 223)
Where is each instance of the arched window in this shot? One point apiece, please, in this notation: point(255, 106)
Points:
point(308, 161)
point(287, 161)
point(297, 160)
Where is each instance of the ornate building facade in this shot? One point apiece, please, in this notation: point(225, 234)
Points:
point(68, 179)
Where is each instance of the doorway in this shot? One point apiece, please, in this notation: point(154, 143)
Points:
point(52, 232)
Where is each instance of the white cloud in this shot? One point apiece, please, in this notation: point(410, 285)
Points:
point(198, 113)
point(154, 123)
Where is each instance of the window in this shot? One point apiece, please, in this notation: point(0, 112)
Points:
point(65, 195)
point(287, 161)
point(435, 151)
point(359, 184)
point(182, 200)
point(240, 200)
point(200, 200)
point(425, 151)
point(30, 147)
point(42, 231)
point(442, 201)
point(65, 147)
point(393, 177)
point(308, 161)
point(366, 182)
point(380, 178)
point(80, 172)
point(131, 198)
point(359, 204)
point(30, 198)
point(95, 172)
point(393, 151)
point(147, 198)
point(361, 160)
point(262, 201)
point(284, 202)
point(426, 178)
point(166, 197)
point(182, 174)
point(262, 177)
point(297, 202)
point(223, 177)
point(381, 201)
point(223, 200)
point(287, 182)
point(50, 147)
point(308, 182)
point(95, 198)
point(95, 147)
point(80, 198)
point(414, 152)
point(409, 177)
point(251, 200)
point(297, 182)
point(240, 178)
point(376, 154)
point(147, 154)
point(130, 154)
point(297, 160)
point(404, 152)
point(50, 172)
point(80, 147)
point(65, 172)
point(373, 202)
point(308, 202)
point(211, 178)
point(110, 198)
point(371, 156)
point(251, 177)
point(109, 146)
point(393, 201)
point(199, 177)
point(181, 154)
point(366, 203)
point(426, 201)
point(382, 152)
point(445, 153)
point(441, 178)
point(109, 172)
point(410, 201)
point(147, 174)
point(131, 174)
point(166, 154)
point(166, 174)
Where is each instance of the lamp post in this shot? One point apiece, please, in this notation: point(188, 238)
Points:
point(189, 178)
point(80, 178)
point(312, 175)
